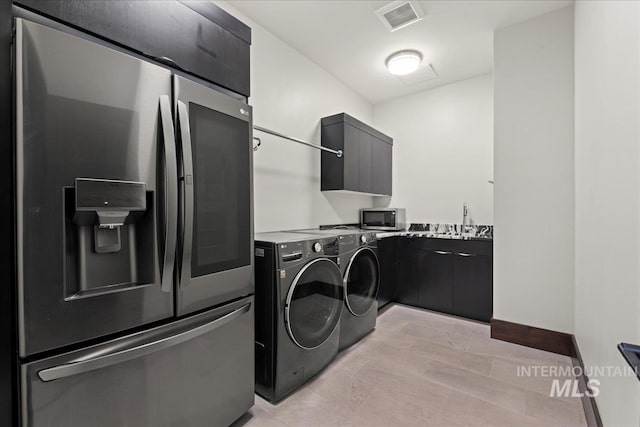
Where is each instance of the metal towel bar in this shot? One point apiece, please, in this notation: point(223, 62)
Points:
point(338, 153)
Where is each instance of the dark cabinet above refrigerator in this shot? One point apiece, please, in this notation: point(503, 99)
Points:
point(366, 164)
point(197, 37)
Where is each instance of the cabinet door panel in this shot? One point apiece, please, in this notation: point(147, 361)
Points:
point(380, 167)
point(408, 272)
point(386, 169)
point(351, 158)
point(364, 173)
point(332, 167)
point(387, 257)
point(436, 291)
point(473, 286)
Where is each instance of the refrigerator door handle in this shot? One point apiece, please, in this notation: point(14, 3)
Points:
point(171, 196)
point(120, 356)
point(187, 191)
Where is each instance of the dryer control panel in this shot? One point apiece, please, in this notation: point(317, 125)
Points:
point(293, 252)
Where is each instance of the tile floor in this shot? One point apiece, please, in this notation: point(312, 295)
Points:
point(423, 368)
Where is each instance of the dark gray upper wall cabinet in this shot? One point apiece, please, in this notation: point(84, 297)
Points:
point(199, 37)
point(366, 164)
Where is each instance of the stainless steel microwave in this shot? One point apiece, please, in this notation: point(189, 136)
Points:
point(383, 219)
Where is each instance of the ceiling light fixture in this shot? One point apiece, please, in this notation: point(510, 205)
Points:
point(404, 62)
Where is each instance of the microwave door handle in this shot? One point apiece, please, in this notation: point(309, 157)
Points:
point(120, 356)
point(187, 191)
point(171, 193)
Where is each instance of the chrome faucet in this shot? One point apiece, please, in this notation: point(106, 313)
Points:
point(465, 214)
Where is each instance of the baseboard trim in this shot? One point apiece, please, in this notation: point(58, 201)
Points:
point(555, 342)
point(542, 339)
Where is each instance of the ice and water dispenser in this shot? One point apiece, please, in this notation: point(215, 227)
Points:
point(109, 236)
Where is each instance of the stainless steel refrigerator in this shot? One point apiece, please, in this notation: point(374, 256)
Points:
point(134, 239)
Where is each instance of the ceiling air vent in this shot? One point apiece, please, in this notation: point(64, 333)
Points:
point(399, 14)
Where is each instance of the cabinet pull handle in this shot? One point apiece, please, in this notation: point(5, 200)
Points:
point(442, 253)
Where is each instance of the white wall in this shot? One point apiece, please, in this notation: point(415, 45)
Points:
point(290, 94)
point(607, 178)
point(534, 165)
point(443, 151)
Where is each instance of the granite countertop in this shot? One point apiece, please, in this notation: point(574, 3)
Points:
point(429, 235)
point(429, 230)
point(442, 231)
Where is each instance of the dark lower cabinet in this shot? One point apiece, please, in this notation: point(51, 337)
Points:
point(436, 280)
point(408, 274)
point(387, 258)
point(473, 286)
point(449, 276)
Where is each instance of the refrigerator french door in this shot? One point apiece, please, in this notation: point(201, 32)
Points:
point(133, 211)
point(94, 140)
point(215, 167)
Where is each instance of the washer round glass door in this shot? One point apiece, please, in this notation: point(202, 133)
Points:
point(361, 281)
point(314, 303)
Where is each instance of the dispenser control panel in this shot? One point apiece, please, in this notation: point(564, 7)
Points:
point(103, 194)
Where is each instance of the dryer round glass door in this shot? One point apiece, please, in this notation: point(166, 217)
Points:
point(361, 281)
point(314, 303)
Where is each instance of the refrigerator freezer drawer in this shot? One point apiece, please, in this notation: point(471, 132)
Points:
point(196, 371)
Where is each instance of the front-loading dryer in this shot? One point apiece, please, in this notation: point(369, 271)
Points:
point(299, 302)
point(360, 268)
